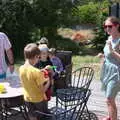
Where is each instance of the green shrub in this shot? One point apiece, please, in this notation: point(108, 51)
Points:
point(94, 13)
point(100, 38)
point(15, 21)
point(100, 35)
point(91, 13)
point(88, 13)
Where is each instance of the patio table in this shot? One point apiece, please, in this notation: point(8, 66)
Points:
point(11, 98)
point(13, 89)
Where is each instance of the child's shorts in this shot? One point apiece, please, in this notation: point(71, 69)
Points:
point(40, 106)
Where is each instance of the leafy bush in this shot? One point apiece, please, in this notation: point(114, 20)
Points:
point(91, 13)
point(26, 21)
point(100, 35)
point(15, 21)
point(88, 13)
point(100, 38)
point(94, 13)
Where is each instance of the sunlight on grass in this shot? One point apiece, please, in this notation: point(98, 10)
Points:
point(87, 61)
point(79, 61)
point(68, 33)
point(18, 64)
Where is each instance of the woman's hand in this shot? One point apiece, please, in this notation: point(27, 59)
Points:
point(100, 55)
point(110, 46)
point(115, 54)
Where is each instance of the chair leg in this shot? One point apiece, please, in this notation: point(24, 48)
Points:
point(5, 115)
point(87, 112)
point(56, 100)
point(24, 112)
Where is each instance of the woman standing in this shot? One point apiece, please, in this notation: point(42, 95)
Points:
point(110, 76)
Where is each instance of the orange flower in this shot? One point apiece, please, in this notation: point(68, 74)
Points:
point(78, 37)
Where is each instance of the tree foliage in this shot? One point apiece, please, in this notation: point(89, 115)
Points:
point(95, 12)
point(91, 12)
point(15, 21)
point(49, 15)
point(22, 20)
point(100, 35)
point(26, 21)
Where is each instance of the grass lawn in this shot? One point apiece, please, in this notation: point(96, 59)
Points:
point(79, 61)
point(91, 61)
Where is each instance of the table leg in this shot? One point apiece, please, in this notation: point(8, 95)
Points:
point(2, 110)
point(2, 116)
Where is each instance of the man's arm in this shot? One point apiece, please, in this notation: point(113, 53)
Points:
point(10, 59)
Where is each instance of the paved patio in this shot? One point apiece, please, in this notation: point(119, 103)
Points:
point(96, 103)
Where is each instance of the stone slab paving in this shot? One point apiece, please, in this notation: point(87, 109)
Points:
point(96, 103)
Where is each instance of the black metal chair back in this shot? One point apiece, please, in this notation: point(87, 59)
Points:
point(73, 113)
point(76, 88)
point(65, 56)
point(63, 80)
point(8, 106)
point(81, 78)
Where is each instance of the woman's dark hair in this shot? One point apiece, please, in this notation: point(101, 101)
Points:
point(114, 20)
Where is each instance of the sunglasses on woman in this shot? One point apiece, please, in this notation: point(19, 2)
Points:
point(109, 26)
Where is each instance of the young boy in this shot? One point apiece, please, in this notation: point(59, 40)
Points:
point(33, 82)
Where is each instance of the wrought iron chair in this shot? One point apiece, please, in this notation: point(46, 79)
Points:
point(72, 113)
point(63, 79)
point(66, 58)
point(76, 88)
point(8, 108)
